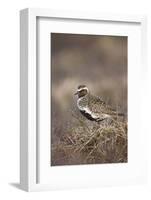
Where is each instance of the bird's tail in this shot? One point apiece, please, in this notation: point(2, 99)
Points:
point(121, 114)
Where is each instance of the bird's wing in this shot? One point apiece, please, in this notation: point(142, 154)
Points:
point(99, 106)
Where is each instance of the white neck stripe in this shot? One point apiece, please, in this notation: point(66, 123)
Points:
point(84, 88)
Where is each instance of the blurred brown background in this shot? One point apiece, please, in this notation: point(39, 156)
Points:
point(100, 62)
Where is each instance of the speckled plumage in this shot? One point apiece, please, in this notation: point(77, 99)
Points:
point(93, 107)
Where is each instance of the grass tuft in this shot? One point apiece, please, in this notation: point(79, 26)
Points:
point(86, 142)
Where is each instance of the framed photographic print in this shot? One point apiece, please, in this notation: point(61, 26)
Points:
point(82, 77)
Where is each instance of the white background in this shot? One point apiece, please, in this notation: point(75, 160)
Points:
point(92, 175)
point(9, 98)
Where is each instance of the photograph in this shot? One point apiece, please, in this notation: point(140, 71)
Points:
point(89, 99)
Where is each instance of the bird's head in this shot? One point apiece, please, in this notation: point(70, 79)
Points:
point(82, 90)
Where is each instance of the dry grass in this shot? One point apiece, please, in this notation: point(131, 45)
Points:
point(86, 142)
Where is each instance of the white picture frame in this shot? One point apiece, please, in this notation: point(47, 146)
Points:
point(29, 148)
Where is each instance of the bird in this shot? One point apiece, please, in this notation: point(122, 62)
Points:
point(92, 107)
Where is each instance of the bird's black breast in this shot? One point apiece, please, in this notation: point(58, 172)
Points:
point(87, 115)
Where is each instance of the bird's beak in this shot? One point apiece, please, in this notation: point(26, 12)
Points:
point(76, 93)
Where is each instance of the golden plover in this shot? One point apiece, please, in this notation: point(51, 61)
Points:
point(93, 107)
